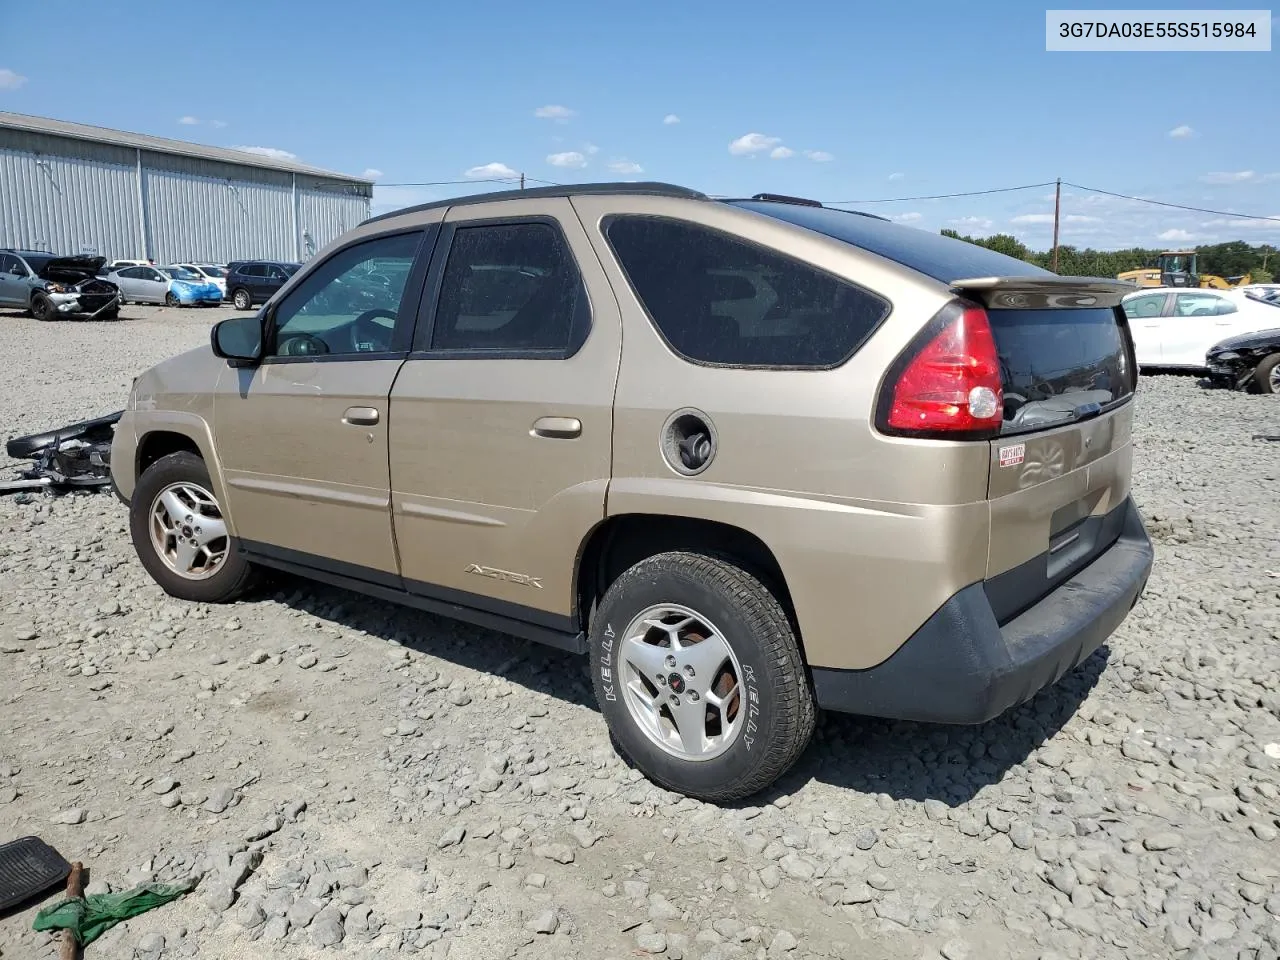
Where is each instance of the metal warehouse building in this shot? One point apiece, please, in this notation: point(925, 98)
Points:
point(70, 188)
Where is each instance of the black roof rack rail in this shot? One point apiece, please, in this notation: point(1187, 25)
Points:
point(783, 198)
point(650, 189)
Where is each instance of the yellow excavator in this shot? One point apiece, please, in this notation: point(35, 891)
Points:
point(1177, 268)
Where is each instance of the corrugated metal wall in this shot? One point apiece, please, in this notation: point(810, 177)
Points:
point(70, 196)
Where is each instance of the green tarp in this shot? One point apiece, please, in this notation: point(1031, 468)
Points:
point(91, 917)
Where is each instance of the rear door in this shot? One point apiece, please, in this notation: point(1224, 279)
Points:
point(1146, 323)
point(1060, 472)
point(502, 419)
point(1198, 321)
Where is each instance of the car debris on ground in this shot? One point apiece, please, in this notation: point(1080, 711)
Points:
point(76, 456)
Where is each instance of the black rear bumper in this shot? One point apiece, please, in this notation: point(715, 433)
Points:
point(963, 666)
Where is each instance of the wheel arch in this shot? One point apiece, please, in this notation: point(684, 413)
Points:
point(621, 541)
point(174, 432)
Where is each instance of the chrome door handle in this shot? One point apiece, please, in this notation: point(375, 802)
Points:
point(557, 428)
point(360, 416)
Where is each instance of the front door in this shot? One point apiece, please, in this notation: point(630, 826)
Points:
point(303, 436)
point(13, 285)
point(502, 421)
point(1145, 314)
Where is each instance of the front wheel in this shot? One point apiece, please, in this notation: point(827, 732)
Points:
point(42, 308)
point(170, 299)
point(1266, 376)
point(242, 300)
point(698, 673)
point(180, 534)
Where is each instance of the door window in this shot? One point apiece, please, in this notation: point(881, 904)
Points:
point(349, 304)
point(1142, 308)
point(8, 264)
point(1202, 305)
point(511, 289)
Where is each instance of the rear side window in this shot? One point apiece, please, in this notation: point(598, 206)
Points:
point(1201, 305)
point(1055, 364)
point(511, 288)
point(720, 300)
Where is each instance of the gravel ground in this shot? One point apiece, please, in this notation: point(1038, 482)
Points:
point(342, 778)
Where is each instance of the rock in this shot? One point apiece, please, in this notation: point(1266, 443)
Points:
point(1082, 921)
point(546, 922)
point(251, 915)
point(406, 728)
point(217, 894)
point(8, 795)
point(258, 656)
point(1021, 834)
point(651, 942)
point(797, 867)
point(770, 877)
point(264, 829)
point(999, 821)
point(784, 940)
point(954, 949)
point(892, 908)
point(71, 816)
point(1119, 885)
point(866, 838)
point(451, 837)
point(660, 908)
point(276, 929)
point(326, 930)
point(1063, 878)
point(459, 698)
point(559, 852)
point(857, 893)
point(220, 799)
point(1164, 840)
point(25, 632)
point(294, 809)
point(163, 785)
point(307, 661)
point(151, 943)
point(935, 809)
point(303, 912)
point(488, 781)
point(878, 881)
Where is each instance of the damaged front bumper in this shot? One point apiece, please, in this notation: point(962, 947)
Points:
point(75, 456)
point(83, 305)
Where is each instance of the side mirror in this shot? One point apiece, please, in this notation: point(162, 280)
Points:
point(238, 340)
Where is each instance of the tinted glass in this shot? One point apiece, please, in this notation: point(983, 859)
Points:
point(7, 263)
point(1056, 362)
point(717, 299)
point(1201, 305)
point(339, 309)
point(1151, 305)
point(511, 287)
point(36, 262)
point(932, 254)
point(253, 270)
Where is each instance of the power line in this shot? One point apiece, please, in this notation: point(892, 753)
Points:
point(941, 196)
point(1176, 206)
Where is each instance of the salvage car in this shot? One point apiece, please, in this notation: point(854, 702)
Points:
point(845, 483)
point(1174, 327)
point(1247, 362)
point(172, 286)
point(212, 272)
point(50, 287)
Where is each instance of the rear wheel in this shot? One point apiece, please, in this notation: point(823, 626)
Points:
point(42, 308)
point(180, 534)
point(242, 300)
point(699, 676)
point(1266, 375)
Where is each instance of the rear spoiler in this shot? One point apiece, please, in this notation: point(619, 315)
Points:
point(1040, 292)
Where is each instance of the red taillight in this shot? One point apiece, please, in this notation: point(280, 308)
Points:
point(951, 385)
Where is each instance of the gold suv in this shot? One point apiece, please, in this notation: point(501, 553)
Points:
point(755, 457)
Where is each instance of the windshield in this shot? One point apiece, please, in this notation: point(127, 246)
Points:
point(181, 273)
point(37, 263)
point(1270, 297)
point(291, 268)
point(213, 271)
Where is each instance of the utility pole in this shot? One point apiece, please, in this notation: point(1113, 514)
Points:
point(521, 181)
point(1057, 207)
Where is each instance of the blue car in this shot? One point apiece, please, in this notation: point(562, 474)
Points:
point(172, 286)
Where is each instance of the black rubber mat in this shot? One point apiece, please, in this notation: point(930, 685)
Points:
point(27, 867)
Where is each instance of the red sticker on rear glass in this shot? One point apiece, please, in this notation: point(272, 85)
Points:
point(1013, 455)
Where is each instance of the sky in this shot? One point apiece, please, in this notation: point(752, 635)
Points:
point(832, 101)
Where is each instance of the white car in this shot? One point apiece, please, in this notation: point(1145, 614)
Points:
point(1175, 327)
point(213, 272)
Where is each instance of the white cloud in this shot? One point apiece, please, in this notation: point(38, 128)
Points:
point(911, 217)
point(555, 112)
point(1174, 235)
point(896, 176)
point(972, 223)
point(781, 153)
point(626, 166)
point(372, 173)
point(1048, 218)
point(1182, 132)
point(10, 80)
point(591, 149)
point(752, 143)
point(275, 153)
point(670, 119)
point(570, 158)
point(491, 171)
point(1234, 223)
point(218, 123)
point(188, 121)
point(819, 156)
point(1239, 176)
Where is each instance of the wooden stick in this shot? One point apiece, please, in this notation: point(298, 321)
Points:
point(75, 890)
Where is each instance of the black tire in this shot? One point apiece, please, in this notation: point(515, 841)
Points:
point(774, 683)
point(170, 300)
point(42, 308)
point(1264, 374)
point(242, 299)
point(110, 314)
point(226, 584)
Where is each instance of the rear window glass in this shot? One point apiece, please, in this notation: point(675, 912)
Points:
point(719, 300)
point(1056, 364)
point(942, 258)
